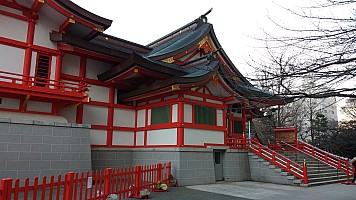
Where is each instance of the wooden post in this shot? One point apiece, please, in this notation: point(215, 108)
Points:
point(5, 188)
point(107, 181)
point(137, 181)
point(68, 186)
point(305, 172)
point(180, 131)
point(159, 172)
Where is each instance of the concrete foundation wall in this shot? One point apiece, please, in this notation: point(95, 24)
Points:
point(190, 166)
point(31, 149)
point(236, 165)
point(263, 171)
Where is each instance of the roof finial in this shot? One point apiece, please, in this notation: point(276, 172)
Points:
point(209, 11)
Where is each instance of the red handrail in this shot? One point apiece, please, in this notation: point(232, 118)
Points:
point(272, 156)
point(47, 83)
point(326, 157)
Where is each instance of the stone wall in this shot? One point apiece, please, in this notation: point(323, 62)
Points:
point(35, 148)
point(236, 165)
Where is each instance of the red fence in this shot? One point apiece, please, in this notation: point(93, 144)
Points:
point(125, 183)
point(326, 157)
point(14, 78)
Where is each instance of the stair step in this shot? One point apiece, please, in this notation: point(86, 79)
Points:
point(322, 179)
point(325, 175)
point(322, 183)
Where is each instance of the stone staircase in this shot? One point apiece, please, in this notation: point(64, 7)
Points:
point(319, 173)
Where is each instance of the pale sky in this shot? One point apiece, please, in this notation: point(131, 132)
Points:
point(235, 22)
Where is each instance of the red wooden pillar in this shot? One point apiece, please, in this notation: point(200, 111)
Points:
point(82, 74)
point(28, 51)
point(244, 121)
point(180, 131)
point(224, 123)
point(110, 123)
point(57, 75)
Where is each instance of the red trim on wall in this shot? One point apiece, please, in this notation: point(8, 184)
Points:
point(24, 45)
point(20, 17)
point(84, 80)
point(110, 123)
point(145, 129)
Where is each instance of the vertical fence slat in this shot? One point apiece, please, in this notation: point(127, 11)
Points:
point(51, 185)
point(58, 189)
point(16, 191)
point(27, 182)
point(43, 188)
point(6, 186)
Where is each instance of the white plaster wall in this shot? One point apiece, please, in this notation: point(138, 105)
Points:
point(199, 137)
point(43, 27)
point(95, 67)
point(140, 138)
point(124, 117)
point(174, 112)
point(141, 118)
point(31, 116)
point(39, 106)
point(98, 136)
point(219, 117)
point(149, 117)
point(123, 138)
point(70, 64)
point(154, 101)
point(162, 137)
point(70, 114)
point(171, 97)
point(33, 63)
point(99, 93)
point(10, 103)
point(188, 113)
point(13, 28)
point(213, 101)
point(193, 97)
point(53, 70)
point(95, 115)
point(13, 62)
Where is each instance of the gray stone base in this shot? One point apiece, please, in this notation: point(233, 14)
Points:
point(31, 149)
point(190, 166)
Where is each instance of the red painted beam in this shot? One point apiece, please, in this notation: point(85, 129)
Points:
point(66, 25)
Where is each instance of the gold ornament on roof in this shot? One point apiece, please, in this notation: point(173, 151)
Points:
point(168, 60)
point(207, 40)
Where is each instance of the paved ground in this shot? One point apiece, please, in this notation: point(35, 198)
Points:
point(256, 190)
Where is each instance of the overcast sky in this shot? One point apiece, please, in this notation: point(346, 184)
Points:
point(235, 22)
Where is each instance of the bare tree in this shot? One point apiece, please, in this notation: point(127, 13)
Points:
point(323, 49)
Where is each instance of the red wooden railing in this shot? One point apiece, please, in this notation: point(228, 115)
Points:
point(326, 157)
point(272, 156)
point(9, 77)
point(125, 182)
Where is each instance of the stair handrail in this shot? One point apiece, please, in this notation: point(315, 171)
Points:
point(278, 159)
point(328, 158)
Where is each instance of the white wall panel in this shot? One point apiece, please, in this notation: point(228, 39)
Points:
point(174, 112)
point(140, 138)
point(70, 114)
point(13, 62)
point(39, 106)
point(33, 63)
point(99, 93)
point(98, 136)
point(13, 28)
point(141, 118)
point(213, 101)
point(95, 115)
point(123, 138)
point(70, 64)
point(171, 97)
point(188, 115)
point(149, 117)
point(42, 30)
point(199, 137)
point(219, 117)
point(193, 97)
point(124, 117)
point(10, 103)
point(162, 137)
point(94, 68)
